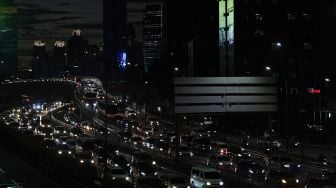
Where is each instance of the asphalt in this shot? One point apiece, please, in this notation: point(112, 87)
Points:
point(23, 173)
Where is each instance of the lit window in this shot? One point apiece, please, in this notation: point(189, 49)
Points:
point(307, 46)
point(276, 45)
point(258, 17)
point(259, 32)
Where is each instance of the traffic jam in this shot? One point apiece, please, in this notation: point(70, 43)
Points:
point(122, 143)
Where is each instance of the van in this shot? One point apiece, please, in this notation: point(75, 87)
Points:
point(205, 177)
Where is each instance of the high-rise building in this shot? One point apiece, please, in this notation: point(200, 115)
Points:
point(192, 36)
point(152, 35)
point(8, 38)
point(60, 56)
point(39, 60)
point(76, 48)
point(114, 34)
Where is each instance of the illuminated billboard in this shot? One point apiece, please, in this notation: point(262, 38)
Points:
point(122, 58)
point(222, 22)
point(226, 37)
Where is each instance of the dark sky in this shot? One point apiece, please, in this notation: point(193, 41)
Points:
point(54, 20)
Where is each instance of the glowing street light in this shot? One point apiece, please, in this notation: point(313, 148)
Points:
point(268, 68)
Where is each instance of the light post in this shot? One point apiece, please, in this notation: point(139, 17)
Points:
point(269, 69)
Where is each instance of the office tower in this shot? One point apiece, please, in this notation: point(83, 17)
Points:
point(76, 48)
point(152, 35)
point(8, 38)
point(39, 60)
point(60, 56)
point(114, 34)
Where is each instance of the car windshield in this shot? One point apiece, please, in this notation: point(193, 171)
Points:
point(212, 175)
point(177, 180)
point(117, 171)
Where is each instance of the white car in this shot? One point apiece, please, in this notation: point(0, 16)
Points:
point(202, 177)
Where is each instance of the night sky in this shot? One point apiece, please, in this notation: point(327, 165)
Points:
point(54, 20)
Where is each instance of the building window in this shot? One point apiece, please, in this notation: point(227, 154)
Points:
point(259, 32)
point(275, 2)
point(290, 17)
point(306, 17)
point(258, 17)
point(307, 46)
point(276, 45)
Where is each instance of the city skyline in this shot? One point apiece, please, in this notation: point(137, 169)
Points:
point(40, 20)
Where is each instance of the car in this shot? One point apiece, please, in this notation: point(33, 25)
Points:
point(284, 163)
point(174, 181)
point(282, 179)
point(143, 157)
point(49, 143)
point(116, 172)
point(85, 158)
point(63, 149)
point(149, 182)
point(221, 162)
point(202, 144)
point(140, 169)
point(202, 177)
point(250, 169)
point(136, 140)
point(150, 142)
point(120, 161)
point(59, 130)
point(60, 139)
point(125, 135)
point(185, 151)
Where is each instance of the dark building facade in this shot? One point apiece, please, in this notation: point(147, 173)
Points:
point(192, 37)
point(152, 35)
point(114, 36)
point(281, 38)
point(59, 57)
point(8, 38)
point(40, 65)
point(76, 48)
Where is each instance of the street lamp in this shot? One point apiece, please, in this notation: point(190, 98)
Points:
point(269, 68)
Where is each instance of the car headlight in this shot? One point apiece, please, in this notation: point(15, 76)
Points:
point(221, 183)
point(59, 152)
point(298, 166)
point(286, 165)
point(283, 181)
point(69, 152)
point(174, 186)
point(92, 161)
point(208, 183)
point(81, 161)
point(297, 181)
point(220, 163)
point(154, 163)
point(250, 171)
point(127, 178)
point(142, 173)
point(188, 186)
point(155, 173)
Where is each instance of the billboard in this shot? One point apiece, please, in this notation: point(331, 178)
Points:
point(222, 21)
point(122, 60)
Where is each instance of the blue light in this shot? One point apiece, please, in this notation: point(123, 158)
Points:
point(122, 60)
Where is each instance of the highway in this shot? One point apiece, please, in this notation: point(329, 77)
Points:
point(166, 162)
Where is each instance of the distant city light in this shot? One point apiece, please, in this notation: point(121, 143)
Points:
point(268, 68)
point(327, 79)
